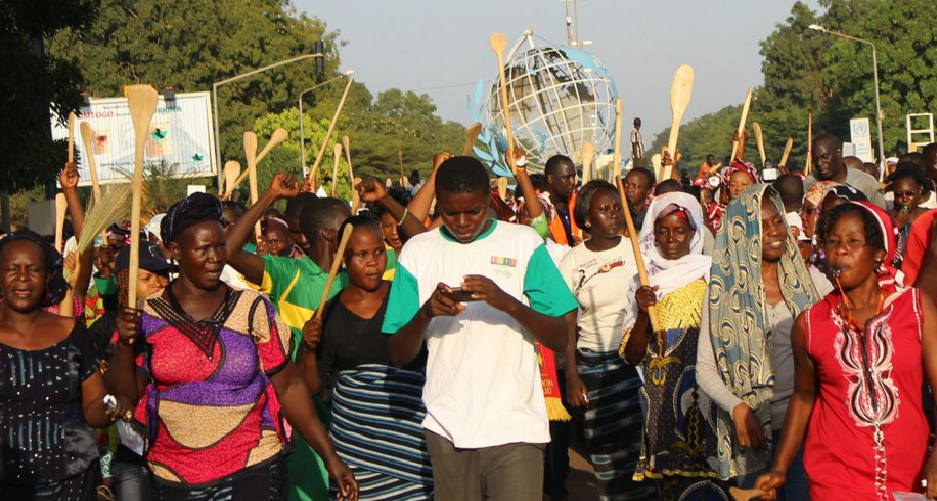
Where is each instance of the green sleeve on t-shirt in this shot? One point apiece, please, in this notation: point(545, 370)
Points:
point(545, 288)
point(404, 301)
point(541, 225)
point(106, 286)
point(279, 273)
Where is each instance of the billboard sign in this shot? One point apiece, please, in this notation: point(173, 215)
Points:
point(180, 135)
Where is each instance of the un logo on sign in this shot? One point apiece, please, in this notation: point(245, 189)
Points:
point(860, 128)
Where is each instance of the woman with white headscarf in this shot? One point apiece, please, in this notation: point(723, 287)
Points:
point(678, 442)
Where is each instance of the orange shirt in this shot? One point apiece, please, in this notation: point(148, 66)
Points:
point(556, 224)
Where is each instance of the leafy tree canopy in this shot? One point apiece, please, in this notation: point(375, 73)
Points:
point(807, 71)
point(35, 78)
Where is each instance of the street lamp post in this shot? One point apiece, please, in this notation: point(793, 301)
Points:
point(879, 116)
point(214, 90)
point(302, 132)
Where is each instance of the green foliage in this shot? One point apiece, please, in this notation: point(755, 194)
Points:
point(33, 79)
point(811, 72)
point(905, 35)
point(395, 121)
point(187, 45)
point(161, 187)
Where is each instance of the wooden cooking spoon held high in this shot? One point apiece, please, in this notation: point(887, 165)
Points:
point(355, 197)
point(615, 169)
point(314, 172)
point(278, 136)
point(250, 151)
point(741, 129)
point(230, 175)
point(586, 156)
point(471, 135)
point(680, 92)
point(87, 139)
point(337, 151)
point(142, 100)
point(782, 166)
point(760, 142)
point(498, 42)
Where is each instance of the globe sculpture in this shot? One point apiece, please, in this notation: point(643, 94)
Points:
point(559, 98)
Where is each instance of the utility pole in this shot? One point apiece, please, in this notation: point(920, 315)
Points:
point(572, 25)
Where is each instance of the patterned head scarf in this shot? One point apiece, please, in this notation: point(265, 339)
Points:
point(889, 234)
point(740, 166)
point(669, 275)
point(816, 194)
point(738, 319)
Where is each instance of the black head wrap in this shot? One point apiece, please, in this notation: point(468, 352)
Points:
point(56, 286)
point(197, 208)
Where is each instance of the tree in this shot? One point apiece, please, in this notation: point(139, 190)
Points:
point(377, 129)
point(831, 78)
point(186, 45)
point(36, 78)
point(905, 36)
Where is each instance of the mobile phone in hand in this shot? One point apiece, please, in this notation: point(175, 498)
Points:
point(460, 295)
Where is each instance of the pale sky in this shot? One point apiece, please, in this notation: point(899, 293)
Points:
point(440, 47)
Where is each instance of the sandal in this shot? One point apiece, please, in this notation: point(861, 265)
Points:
point(105, 493)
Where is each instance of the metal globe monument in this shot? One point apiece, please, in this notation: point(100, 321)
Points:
point(559, 98)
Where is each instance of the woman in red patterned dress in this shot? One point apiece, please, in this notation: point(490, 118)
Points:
point(861, 355)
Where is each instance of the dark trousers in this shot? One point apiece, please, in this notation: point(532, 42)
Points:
point(133, 482)
point(510, 472)
point(259, 483)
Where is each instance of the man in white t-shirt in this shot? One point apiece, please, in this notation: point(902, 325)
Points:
point(479, 292)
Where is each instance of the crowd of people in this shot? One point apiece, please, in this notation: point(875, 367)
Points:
point(690, 335)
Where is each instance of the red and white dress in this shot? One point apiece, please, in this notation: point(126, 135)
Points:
point(868, 435)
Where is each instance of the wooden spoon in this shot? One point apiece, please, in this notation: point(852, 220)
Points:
point(60, 207)
point(498, 42)
point(336, 265)
point(585, 156)
point(787, 153)
point(87, 138)
point(809, 163)
point(638, 258)
point(71, 136)
point(471, 135)
point(741, 129)
point(278, 136)
point(760, 141)
point(142, 101)
point(680, 92)
point(328, 133)
point(745, 495)
point(250, 151)
point(503, 188)
point(400, 162)
point(657, 164)
point(230, 174)
point(337, 151)
point(355, 198)
point(615, 168)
